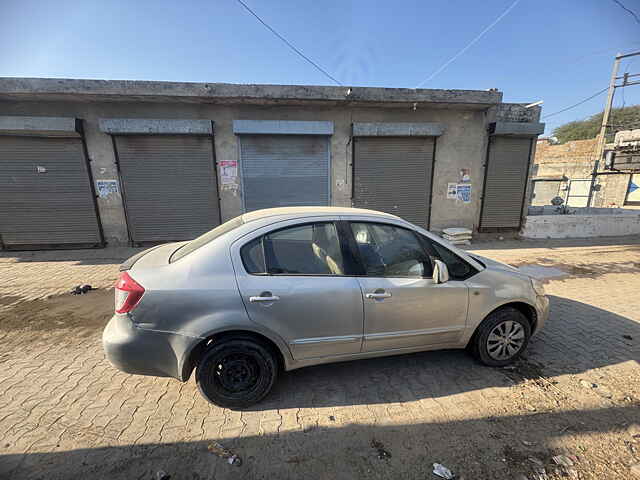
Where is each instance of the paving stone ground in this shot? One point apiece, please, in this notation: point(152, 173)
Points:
point(66, 413)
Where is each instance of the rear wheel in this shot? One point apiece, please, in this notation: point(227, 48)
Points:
point(236, 373)
point(502, 337)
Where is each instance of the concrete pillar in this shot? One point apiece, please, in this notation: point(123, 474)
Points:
point(103, 167)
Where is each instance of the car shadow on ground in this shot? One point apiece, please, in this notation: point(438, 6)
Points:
point(473, 448)
point(577, 337)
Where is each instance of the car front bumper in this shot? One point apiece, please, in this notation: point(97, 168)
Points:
point(542, 311)
point(136, 350)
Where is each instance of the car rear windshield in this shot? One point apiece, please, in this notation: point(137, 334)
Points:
point(205, 238)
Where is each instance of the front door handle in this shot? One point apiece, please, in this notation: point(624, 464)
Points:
point(271, 298)
point(378, 295)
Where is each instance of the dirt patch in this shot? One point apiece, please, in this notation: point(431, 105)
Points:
point(9, 300)
point(549, 269)
point(525, 369)
point(81, 313)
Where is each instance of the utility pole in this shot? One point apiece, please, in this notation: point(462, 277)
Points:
point(605, 117)
point(607, 110)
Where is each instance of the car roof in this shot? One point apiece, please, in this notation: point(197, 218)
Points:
point(294, 212)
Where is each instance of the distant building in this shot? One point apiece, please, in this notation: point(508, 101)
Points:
point(565, 170)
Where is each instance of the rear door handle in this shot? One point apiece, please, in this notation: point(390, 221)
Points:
point(378, 295)
point(272, 298)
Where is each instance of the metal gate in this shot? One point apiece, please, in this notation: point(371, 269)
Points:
point(544, 191)
point(505, 182)
point(169, 186)
point(284, 170)
point(394, 175)
point(46, 195)
point(578, 192)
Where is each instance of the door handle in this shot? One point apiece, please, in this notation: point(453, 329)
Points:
point(272, 298)
point(378, 295)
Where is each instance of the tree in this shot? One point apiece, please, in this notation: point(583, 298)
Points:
point(627, 118)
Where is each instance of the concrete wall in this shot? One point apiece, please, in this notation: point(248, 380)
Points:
point(581, 226)
point(462, 146)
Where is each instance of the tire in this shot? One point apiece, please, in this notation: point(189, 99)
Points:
point(236, 372)
point(506, 323)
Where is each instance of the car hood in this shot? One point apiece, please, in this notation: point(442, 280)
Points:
point(494, 264)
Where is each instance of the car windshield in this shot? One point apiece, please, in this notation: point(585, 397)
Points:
point(205, 238)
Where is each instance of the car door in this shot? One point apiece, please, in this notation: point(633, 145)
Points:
point(403, 307)
point(292, 281)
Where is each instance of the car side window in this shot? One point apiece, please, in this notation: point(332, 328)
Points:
point(310, 249)
point(252, 255)
point(390, 251)
point(457, 267)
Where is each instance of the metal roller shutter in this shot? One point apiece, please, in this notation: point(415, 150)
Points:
point(169, 184)
point(45, 193)
point(505, 182)
point(284, 170)
point(393, 175)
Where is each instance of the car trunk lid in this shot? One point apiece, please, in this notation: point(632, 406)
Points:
point(152, 257)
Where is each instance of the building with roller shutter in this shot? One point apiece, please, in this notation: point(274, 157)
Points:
point(89, 162)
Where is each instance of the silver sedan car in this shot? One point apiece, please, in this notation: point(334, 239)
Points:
point(279, 289)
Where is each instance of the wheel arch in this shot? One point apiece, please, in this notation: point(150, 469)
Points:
point(192, 357)
point(526, 309)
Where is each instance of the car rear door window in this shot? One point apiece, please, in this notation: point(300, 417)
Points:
point(390, 251)
point(310, 249)
point(252, 255)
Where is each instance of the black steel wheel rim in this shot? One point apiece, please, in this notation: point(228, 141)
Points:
point(236, 373)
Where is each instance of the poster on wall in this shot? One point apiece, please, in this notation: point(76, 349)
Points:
point(452, 191)
point(106, 187)
point(465, 177)
point(228, 171)
point(464, 192)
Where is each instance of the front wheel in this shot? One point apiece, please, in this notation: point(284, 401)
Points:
point(236, 373)
point(502, 337)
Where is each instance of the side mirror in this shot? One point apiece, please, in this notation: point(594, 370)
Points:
point(440, 272)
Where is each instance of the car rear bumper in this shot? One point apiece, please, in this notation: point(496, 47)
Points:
point(143, 352)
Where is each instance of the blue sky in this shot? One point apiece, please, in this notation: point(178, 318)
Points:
point(559, 51)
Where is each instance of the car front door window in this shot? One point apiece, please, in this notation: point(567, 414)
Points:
point(457, 267)
point(389, 251)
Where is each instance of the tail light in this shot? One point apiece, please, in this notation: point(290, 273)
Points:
point(128, 293)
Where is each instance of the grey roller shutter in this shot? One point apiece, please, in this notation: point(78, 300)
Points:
point(284, 170)
point(45, 193)
point(505, 182)
point(170, 187)
point(393, 175)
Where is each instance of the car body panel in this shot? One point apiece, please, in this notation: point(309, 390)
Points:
point(133, 349)
point(205, 293)
point(316, 316)
point(496, 287)
point(418, 312)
